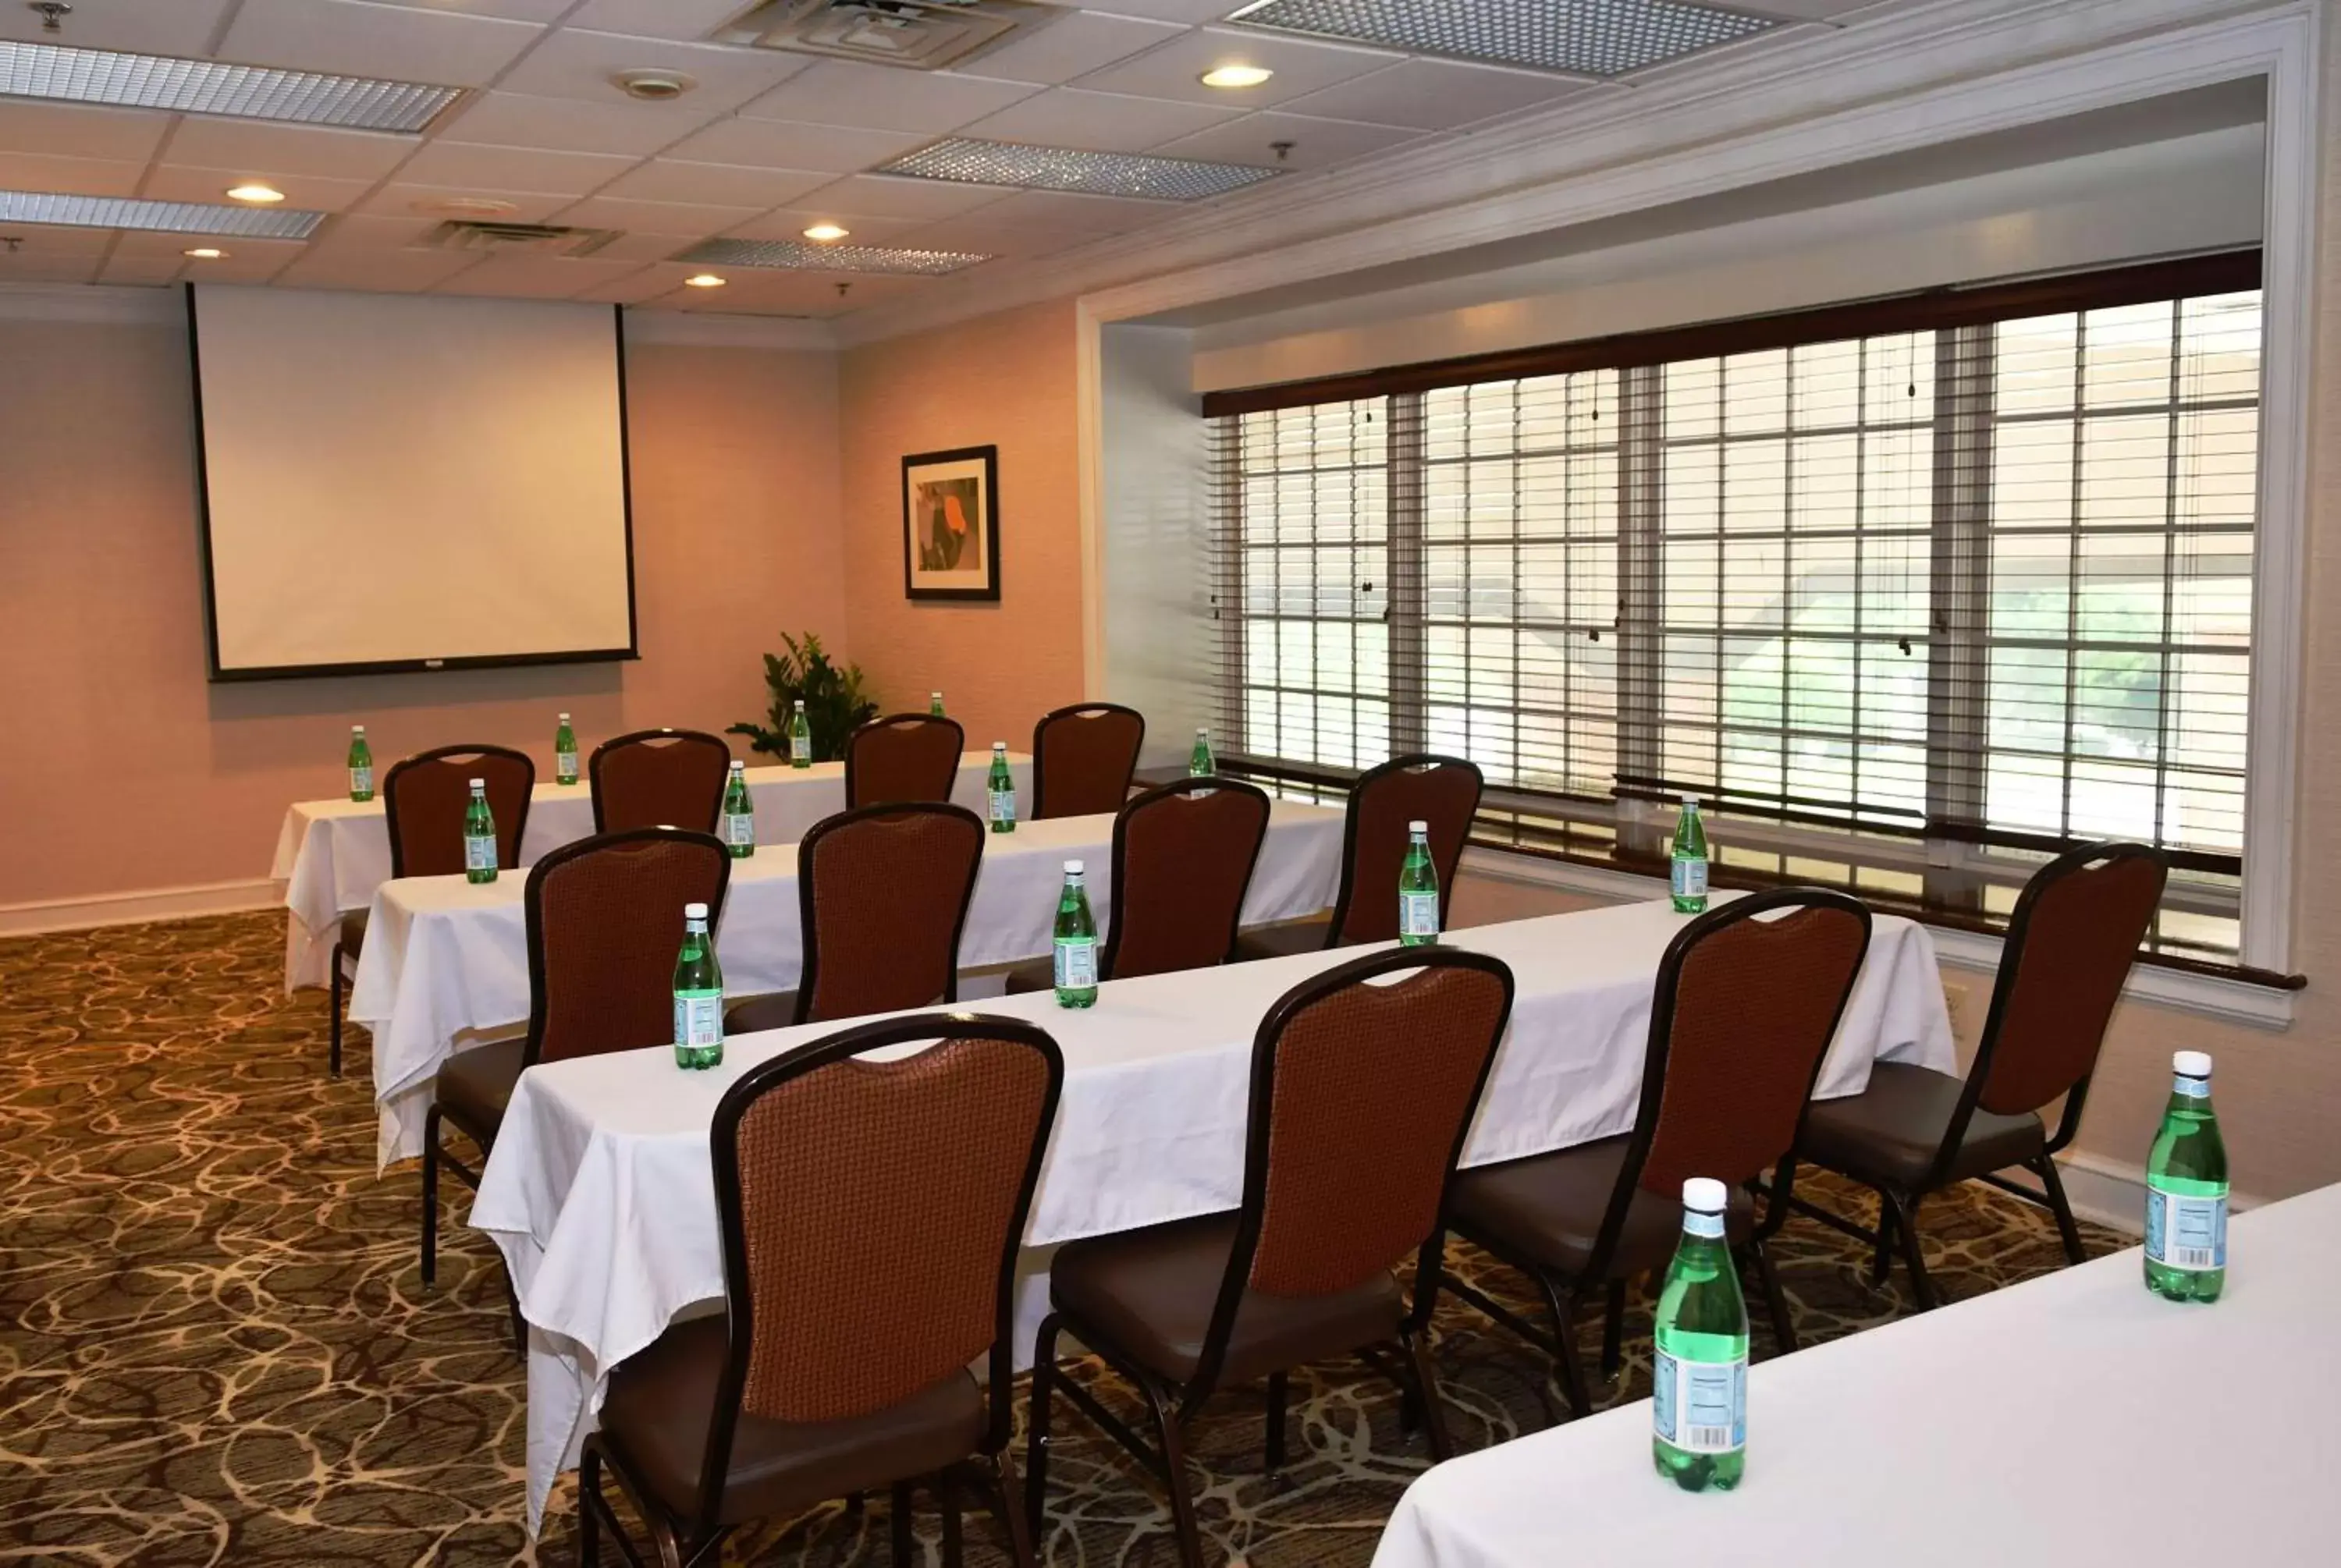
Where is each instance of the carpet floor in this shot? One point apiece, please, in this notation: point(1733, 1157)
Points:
point(215, 1348)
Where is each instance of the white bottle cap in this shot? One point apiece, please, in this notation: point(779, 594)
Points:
point(1705, 1194)
point(479, 783)
point(1690, 799)
point(1201, 731)
point(999, 746)
point(2192, 1063)
point(357, 729)
point(1417, 826)
point(1072, 867)
point(937, 695)
point(738, 766)
point(565, 719)
point(694, 911)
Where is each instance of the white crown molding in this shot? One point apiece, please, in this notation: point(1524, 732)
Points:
point(1712, 123)
point(90, 302)
point(700, 328)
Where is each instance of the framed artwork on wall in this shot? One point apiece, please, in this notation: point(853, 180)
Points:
point(951, 524)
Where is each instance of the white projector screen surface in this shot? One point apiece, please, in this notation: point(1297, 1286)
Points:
point(401, 481)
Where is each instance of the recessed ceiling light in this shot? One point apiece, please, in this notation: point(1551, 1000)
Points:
point(258, 195)
point(205, 253)
point(130, 81)
point(793, 255)
point(967, 161)
point(166, 217)
point(1236, 75)
point(1583, 38)
point(703, 280)
point(825, 232)
point(655, 87)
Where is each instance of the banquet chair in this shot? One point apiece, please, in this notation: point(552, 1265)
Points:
point(1742, 1015)
point(604, 919)
point(422, 802)
point(1914, 1131)
point(659, 778)
point(905, 757)
point(1182, 860)
point(1084, 758)
point(870, 1214)
point(1364, 1079)
point(883, 895)
point(1443, 791)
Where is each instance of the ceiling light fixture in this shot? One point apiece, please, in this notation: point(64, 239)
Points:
point(165, 217)
point(792, 255)
point(827, 234)
point(655, 87)
point(205, 253)
point(127, 81)
point(1585, 38)
point(257, 194)
point(703, 280)
point(970, 162)
point(1236, 75)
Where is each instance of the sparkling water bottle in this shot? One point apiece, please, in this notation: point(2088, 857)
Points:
point(1076, 943)
point(934, 705)
point(1200, 764)
point(564, 753)
point(1689, 870)
point(739, 813)
point(800, 738)
point(479, 836)
point(2187, 1190)
point(360, 765)
point(698, 994)
point(1000, 790)
point(1698, 1373)
point(1417, 891)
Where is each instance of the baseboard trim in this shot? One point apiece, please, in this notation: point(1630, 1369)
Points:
point(135, 908)
point(2113, 1192)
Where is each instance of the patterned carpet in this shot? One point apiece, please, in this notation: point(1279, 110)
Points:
point(214, 1348)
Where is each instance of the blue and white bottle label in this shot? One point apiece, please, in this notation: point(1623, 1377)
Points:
point(564, 767)
point(361, 780)
point(698, 1019)
point(1418, 914)
point(1690, 878)
point(2193, 1088)
point(1699, 1406)
point(739, 829)
point(479, 852)
point(1076, 966)
point(2187, 1233)
point(1003, 805)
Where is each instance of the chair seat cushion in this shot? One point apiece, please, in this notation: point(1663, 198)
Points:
point(476, 1084)
point(352, 936)
point(1150, 1293)
point(777, 1011)
point(1024, 980)
point(1888, 1133)
point(662, 1399)
point(1547, 1210)
point(1283, 941)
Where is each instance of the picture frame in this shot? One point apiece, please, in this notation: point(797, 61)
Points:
point(951, 524)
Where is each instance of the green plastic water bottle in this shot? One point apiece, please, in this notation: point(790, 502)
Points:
point(360, 765)
point(1200, 764)
point(1000, 790)
point(564, 753)
point(1688, 872)
point(800, 738)
point(1417, 891)
point(2187, 1190)
point(934, 705)
point(739, 813)
point(1076, 943)
point(1698, 1374)
point(698, 994)
point(479, 836)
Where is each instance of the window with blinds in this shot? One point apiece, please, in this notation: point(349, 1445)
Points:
point(1913, 593)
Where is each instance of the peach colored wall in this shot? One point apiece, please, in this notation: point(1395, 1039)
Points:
point(107, 713)
point(1006, 381)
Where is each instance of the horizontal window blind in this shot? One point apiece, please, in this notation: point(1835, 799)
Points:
point(1973, 579)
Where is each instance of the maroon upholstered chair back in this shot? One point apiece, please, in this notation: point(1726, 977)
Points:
point(1182, 858)
point(659, 778)
point(604, 921)
point(883, 892)
point(424, 796)
point(2070, 945)
point(907, 757)
point(1443, 791)
point(1084, 758)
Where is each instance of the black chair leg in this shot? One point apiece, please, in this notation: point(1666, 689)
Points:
point(1175, 1475)
point(1425, 1384)
point(1563, 1305)
point(2052, 1187)
point(1914, 1257)
point(333, 1016)
point(1881, 1257)
point(1012, 1516)
point(1036, 1438)
point(1276, 1392)
point(899, 1526)
point(946, 1499)
point(589, 1498)
point(1776, 1301)
point(1613, 1330)
point(431, 1197)
point(519, 1324)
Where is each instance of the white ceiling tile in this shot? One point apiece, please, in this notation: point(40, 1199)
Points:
point(980, 233)
point(1808, 10)
point(211, 143)
point(574, 125)
point(765, 292)
point(1189, 12)
point(690, 220)
point(309, 192)
point(366, 230)
point(527, 276)
point(783, 144)
point(634, 288)
point(176, 27)
point(1315, 143)
point(26, 266)
point(77, 176)
point(1097, 121)
point(513, 10)
point(127, 271)
point(246, 261)
point(49, 240)
point(886, 196)
point(424, 203)
point(359, 38)
point(129, 135)
point(1072, 210)
point(513, 168)
point(712, 184)
point(1436, 94)
point(1173, 70)
point(885, 98)
point(1069, 45)
point(686, 20)
point(791, 222)
point(638, 247)
point(382, 271)
point(575, 64)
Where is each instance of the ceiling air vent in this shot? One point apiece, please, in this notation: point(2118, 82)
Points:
point(536, 239)
point(921, 35)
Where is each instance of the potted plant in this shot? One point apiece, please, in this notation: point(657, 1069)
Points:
point(836, 703)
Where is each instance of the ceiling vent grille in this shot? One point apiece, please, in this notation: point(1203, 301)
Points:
point(535, 239)
point(917, 34)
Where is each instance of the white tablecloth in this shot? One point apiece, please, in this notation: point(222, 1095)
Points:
point(447, 960)
point(2071, 1420)
point(599, 1190)
point(331, 855)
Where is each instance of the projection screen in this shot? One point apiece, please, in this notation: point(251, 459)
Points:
point(395, 481)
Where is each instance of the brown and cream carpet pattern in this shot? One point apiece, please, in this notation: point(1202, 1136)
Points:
point(214, 1347)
